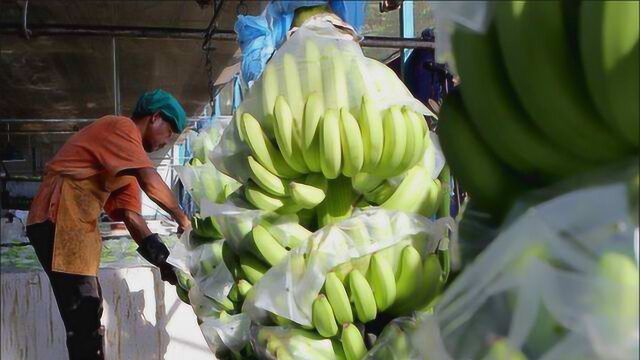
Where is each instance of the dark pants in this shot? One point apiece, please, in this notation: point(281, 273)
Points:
point(79, 299)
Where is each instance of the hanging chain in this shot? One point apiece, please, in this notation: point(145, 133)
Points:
point(242, 8)
point(208, 49)
point(25, 28)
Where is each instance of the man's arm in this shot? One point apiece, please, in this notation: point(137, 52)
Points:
point(152, 184)
point(136, 225)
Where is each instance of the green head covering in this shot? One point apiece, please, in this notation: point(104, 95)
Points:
point(161, 101)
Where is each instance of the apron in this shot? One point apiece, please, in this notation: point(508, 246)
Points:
point(77, 244)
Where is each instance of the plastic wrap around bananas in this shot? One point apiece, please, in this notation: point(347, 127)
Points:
point(289, 288)
point(275, 342)
point(227, 333)
point(236, 221)
point(200, 177)
point(317, 59)
point(559, 282)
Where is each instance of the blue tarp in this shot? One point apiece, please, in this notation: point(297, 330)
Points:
point(260, 36)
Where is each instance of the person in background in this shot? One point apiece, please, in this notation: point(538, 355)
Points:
point(102, 167)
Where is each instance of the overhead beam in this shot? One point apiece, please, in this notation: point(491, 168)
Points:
point(183, 33)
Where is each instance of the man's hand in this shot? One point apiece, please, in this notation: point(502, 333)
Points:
point(184, 223)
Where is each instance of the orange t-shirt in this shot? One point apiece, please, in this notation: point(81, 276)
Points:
point(99, 151)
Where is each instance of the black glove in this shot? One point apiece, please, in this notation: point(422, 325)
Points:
point(153, 250)
point(168, 273)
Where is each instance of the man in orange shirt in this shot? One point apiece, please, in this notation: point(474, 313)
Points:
point(103, 166)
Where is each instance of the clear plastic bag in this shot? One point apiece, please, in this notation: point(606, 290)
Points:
point(235, 220)
point(270, 342)
point(361, 76)
point(560, 281)
point(474, 15)
point(289, 288)
point(202, 180)
point(226, 333)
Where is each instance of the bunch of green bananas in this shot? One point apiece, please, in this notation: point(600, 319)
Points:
point(304, 168)
point(317, 152)
point(364, 287)
point(529, 112)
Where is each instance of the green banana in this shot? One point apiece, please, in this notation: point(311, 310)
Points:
point(260, 199)
point(362, 297)
point(265, 179)
point(353, 343)
point(283, 354)
point(283, 127)
point(314, 71)
point(420, 132)
point(609, 46)
point(432, 278)
point(414, 141)
point(338, 202)
point(382, 282)
point(266, 246)
point(330, 148)
point(208, 264)
point(338, 298)
point(226, 304)
point(334, 83)
point(499, 118)
point(206, 227)
point(322, 317)
point(234, 293)
point(351, 141)
point(617, 275)
point(263, 150)
point(185, 280)
point(394, 142)
point(566, 115)
point(488, 181)
point(370, 121)
point(244, 287)
point(444, 257)
point(269, 93)
point(502, 350)
point(381, 193)
point(365, 182)
point(306, 196)
point(289, 136)
point(409, 276)
point(183, 295)
point(434, 198)
point(313, 112)
point(444, 209)
point(293, 87)
point(412, 195)
point(252, 268)
point(231, 260)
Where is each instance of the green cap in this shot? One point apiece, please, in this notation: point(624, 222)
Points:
point(161, 101)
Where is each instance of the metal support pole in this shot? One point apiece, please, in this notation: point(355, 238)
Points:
point(178, 33)
point(116, 77)
point(406, 30)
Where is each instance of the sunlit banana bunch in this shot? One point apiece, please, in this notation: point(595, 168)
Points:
point(531, 112)
point(304, 148)
point(395, 280)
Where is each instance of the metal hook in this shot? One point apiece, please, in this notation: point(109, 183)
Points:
point(26, 31)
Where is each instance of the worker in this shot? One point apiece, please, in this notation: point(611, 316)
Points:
point(103, 166)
